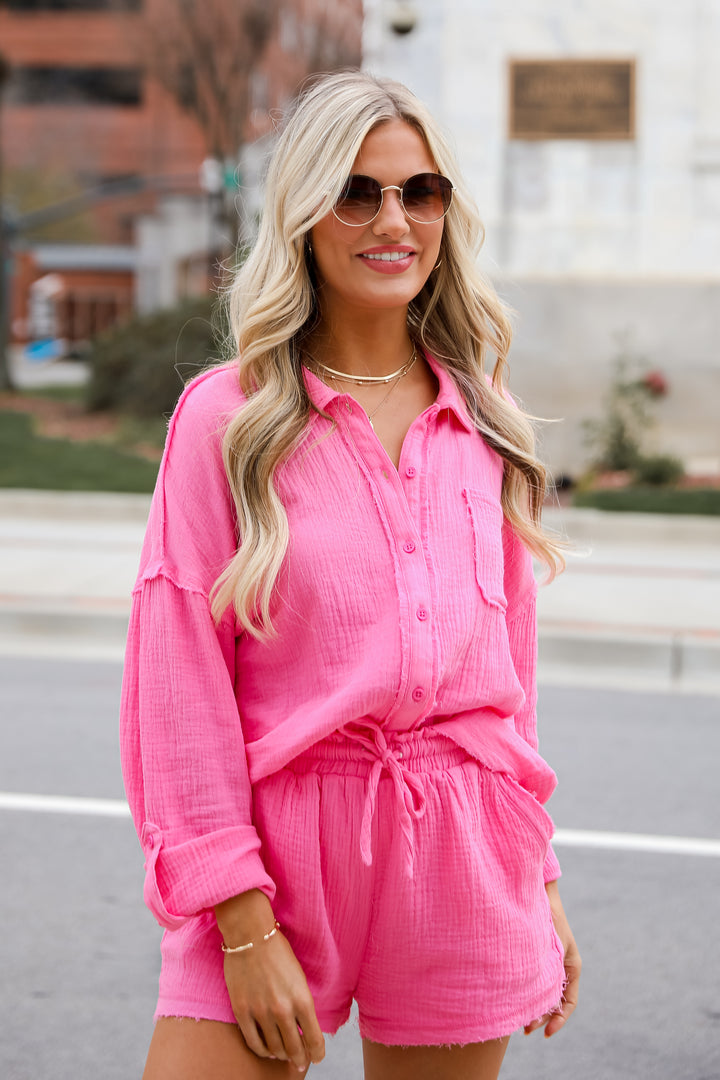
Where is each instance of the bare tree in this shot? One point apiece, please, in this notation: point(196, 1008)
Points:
point(204, 52)
point(212, 57)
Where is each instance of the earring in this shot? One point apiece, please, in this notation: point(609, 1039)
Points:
point(437, 265)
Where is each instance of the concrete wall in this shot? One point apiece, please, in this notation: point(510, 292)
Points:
point(569, 333)
point(588, 239)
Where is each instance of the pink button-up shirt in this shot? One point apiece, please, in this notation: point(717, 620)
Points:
point(404, 601)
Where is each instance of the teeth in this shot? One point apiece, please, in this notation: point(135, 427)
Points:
point(389, 256)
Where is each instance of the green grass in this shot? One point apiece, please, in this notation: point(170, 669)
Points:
point(28, 460)
point(652, 500)
point(63, 392)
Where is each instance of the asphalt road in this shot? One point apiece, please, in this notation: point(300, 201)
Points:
point(78, 951)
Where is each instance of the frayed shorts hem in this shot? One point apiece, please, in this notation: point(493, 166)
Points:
point(194, 1010)
point(220, 1012)
point(465, 1036)
point(374, 1032)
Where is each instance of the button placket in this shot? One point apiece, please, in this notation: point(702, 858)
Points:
point(399, 492)
point(417, 577)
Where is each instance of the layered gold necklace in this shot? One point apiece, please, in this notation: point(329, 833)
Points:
point(368, 380)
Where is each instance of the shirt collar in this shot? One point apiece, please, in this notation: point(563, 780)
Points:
point(448, 397)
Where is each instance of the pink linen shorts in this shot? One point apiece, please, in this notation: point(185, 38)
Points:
point(410, 878)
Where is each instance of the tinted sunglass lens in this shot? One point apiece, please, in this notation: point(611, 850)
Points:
point(426, 197)
point(359, 200)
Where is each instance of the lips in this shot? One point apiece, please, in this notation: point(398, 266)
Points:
point(387, 260)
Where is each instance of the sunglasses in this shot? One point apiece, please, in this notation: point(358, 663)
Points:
point(424, 198)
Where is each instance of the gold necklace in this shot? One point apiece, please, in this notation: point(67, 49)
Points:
point(411, 363)
point(366, 380)
point(396, 376)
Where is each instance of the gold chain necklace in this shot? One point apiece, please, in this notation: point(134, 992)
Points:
point(366, 380)
point(361, 379)
point(410, 364)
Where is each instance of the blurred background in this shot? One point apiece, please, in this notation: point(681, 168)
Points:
point(133, 139)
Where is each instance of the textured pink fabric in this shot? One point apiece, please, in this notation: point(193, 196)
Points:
point(465, 951)
point(405, 601)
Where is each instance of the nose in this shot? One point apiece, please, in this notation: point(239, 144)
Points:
point(391, 220)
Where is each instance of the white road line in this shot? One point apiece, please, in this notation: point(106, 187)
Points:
point(611, 841)
point(64, 804)
point(660, 845)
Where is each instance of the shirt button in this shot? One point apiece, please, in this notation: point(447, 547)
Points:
point(409, 547)
point(422, 614)
point(151, 841)
point(418, 693)
point(410, 471)
point(399, 754)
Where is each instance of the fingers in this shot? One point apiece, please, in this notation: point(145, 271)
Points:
point(535, 1024)
point(553, 1022)
point(311, 1034)
point(278, 1033)
point(570, 999)
point(254, 1039)
point(279, 1038)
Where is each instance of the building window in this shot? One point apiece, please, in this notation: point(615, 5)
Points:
point(74, 86)
point(74, 5)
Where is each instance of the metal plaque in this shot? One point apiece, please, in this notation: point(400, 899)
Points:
point(572, 99)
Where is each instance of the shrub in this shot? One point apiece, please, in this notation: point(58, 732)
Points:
point(615, 438)
point(652, 500)
point(140, 368)
point(659, 469)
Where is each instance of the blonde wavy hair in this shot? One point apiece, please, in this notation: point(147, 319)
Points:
point(272, 304)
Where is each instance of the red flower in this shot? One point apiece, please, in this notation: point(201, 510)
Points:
point(655, 383)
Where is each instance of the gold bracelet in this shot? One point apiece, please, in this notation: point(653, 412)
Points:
point(251, 944)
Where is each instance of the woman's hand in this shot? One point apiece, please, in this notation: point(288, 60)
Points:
point(552, 1022)
point(268, 990)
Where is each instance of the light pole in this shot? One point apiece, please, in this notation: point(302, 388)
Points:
point(6, 382)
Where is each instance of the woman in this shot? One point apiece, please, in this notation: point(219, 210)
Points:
point(328, 710)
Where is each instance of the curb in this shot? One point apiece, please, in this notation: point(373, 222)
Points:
point(662, 661)
point(674, 659)
point(579, 524)
point(80, 506)
point(606, 526)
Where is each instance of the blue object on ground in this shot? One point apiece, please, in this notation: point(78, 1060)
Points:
point(44, 349)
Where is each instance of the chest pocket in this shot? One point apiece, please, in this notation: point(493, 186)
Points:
point(486, 520)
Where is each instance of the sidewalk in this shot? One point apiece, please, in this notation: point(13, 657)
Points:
point(639, 604)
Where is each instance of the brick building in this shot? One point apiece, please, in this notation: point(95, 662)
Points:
point(88, 108)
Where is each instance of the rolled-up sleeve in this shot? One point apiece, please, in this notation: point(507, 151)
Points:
point(183, 755)
point(182, 745)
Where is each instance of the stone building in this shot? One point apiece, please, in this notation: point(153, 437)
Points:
point(589, 131)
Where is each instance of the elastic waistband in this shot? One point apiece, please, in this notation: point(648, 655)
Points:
point(420, 751)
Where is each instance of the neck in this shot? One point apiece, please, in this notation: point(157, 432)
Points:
point(373, 345)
